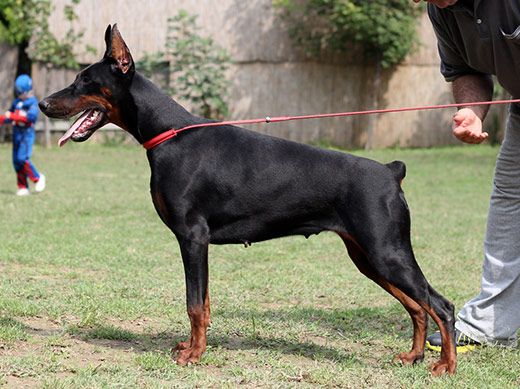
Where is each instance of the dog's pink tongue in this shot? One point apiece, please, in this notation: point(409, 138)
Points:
point(73, 128)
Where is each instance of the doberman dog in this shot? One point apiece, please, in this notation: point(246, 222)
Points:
point(229, 185)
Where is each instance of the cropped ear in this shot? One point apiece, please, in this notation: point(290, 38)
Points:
point(108, 42)
point(118, 50)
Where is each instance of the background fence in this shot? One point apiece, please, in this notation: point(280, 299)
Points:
point(269, 76)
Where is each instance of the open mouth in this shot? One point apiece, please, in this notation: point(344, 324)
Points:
point(84, 126)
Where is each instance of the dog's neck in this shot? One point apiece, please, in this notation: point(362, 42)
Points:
point(155, 111)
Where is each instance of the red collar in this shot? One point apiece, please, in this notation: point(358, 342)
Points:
point(160, 138)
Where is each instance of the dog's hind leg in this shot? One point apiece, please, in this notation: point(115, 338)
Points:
point(417, 314)
point(195, 259)
point(419, 299)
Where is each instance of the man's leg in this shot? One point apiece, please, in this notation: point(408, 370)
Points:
point(493, 317)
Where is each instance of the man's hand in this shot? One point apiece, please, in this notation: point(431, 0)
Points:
point(467, 127)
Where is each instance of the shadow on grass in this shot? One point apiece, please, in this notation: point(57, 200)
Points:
point(6, 192)
point(8, 323)
point(361, 327)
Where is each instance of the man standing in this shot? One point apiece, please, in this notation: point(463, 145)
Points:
point(477, 39)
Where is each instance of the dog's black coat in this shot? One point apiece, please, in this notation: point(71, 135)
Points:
point(229, 185)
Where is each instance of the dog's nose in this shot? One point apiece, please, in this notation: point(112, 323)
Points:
point(44, 105)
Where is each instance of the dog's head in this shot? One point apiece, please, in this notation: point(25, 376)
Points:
point(96, 93)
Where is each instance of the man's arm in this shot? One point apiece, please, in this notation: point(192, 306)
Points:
point(467, 122)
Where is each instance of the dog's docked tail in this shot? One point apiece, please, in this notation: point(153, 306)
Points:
point(398, 169)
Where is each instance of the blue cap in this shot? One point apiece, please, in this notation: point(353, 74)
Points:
point(23, 84)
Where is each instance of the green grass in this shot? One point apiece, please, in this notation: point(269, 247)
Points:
point(92, 285)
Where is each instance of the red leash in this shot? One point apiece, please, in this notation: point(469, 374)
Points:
point(173, 132)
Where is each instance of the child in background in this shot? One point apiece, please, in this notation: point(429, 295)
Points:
point(23, 114)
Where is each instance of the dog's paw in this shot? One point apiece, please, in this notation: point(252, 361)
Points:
point(441, 368)
point(188, 355)
point(409, 358)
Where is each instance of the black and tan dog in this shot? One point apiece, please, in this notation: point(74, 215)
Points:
point(226, 184)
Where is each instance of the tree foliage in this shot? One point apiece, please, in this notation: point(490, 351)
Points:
point(196, 65)
point(384, 29)
point(381, 29)
point(25, 23)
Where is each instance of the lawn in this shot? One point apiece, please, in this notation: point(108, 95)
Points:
point(92, 286)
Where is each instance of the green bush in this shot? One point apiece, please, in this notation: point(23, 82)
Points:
point(195, 67)
point(384, 29)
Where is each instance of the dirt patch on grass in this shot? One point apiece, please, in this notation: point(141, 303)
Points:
point(63, 350)
point(57, 351)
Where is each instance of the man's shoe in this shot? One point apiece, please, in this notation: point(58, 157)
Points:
point(40, 184)
point(463, 342)
point(23, 192)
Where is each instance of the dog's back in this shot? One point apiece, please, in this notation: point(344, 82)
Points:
point(253, 187)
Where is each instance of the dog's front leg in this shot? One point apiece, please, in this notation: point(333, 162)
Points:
point(195, 259)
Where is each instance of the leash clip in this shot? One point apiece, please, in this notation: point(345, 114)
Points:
point(267, 119)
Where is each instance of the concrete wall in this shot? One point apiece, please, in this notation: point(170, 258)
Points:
point(271, 78)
